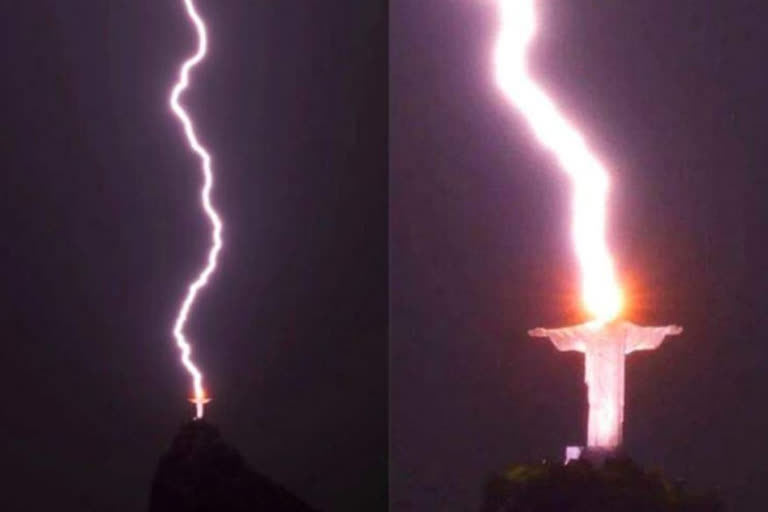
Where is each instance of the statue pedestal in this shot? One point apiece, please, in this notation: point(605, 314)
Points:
point(596, 456)
point(573, 453)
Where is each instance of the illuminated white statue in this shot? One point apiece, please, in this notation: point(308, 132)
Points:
point(605, 346)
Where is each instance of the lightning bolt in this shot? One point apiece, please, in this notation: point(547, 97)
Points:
point(201, 280)
point(601, 293)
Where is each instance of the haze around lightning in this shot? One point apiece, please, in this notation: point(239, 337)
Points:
point(601, 294)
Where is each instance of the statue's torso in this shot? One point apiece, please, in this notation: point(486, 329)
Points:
point(604, 352)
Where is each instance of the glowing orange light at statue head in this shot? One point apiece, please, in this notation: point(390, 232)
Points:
point(601, 294)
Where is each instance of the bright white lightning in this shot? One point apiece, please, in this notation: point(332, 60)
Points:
point(205, 194)
point(601, 293)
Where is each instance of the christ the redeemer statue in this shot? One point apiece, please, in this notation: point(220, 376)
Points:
point(605, 347)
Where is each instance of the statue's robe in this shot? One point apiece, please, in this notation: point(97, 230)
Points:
point(605, 348)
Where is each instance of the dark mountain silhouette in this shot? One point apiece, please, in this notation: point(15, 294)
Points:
point(617, 485)
point(202, 473)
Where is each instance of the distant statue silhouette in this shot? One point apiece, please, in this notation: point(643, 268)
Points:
point(605, 347)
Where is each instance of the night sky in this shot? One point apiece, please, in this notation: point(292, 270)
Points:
point(671, 95)
point(102, 231)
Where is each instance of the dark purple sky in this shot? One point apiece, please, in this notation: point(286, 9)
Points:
point(102, 229)
point(671, 95)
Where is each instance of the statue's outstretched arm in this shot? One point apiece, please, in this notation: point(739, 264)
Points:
point(565, 338)
point(649, 338)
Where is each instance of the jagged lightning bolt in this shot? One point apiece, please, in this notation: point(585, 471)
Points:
point(600, 290)
point(205, 194)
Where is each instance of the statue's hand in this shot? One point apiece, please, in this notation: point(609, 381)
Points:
point(538, 332)
point(674, 329)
